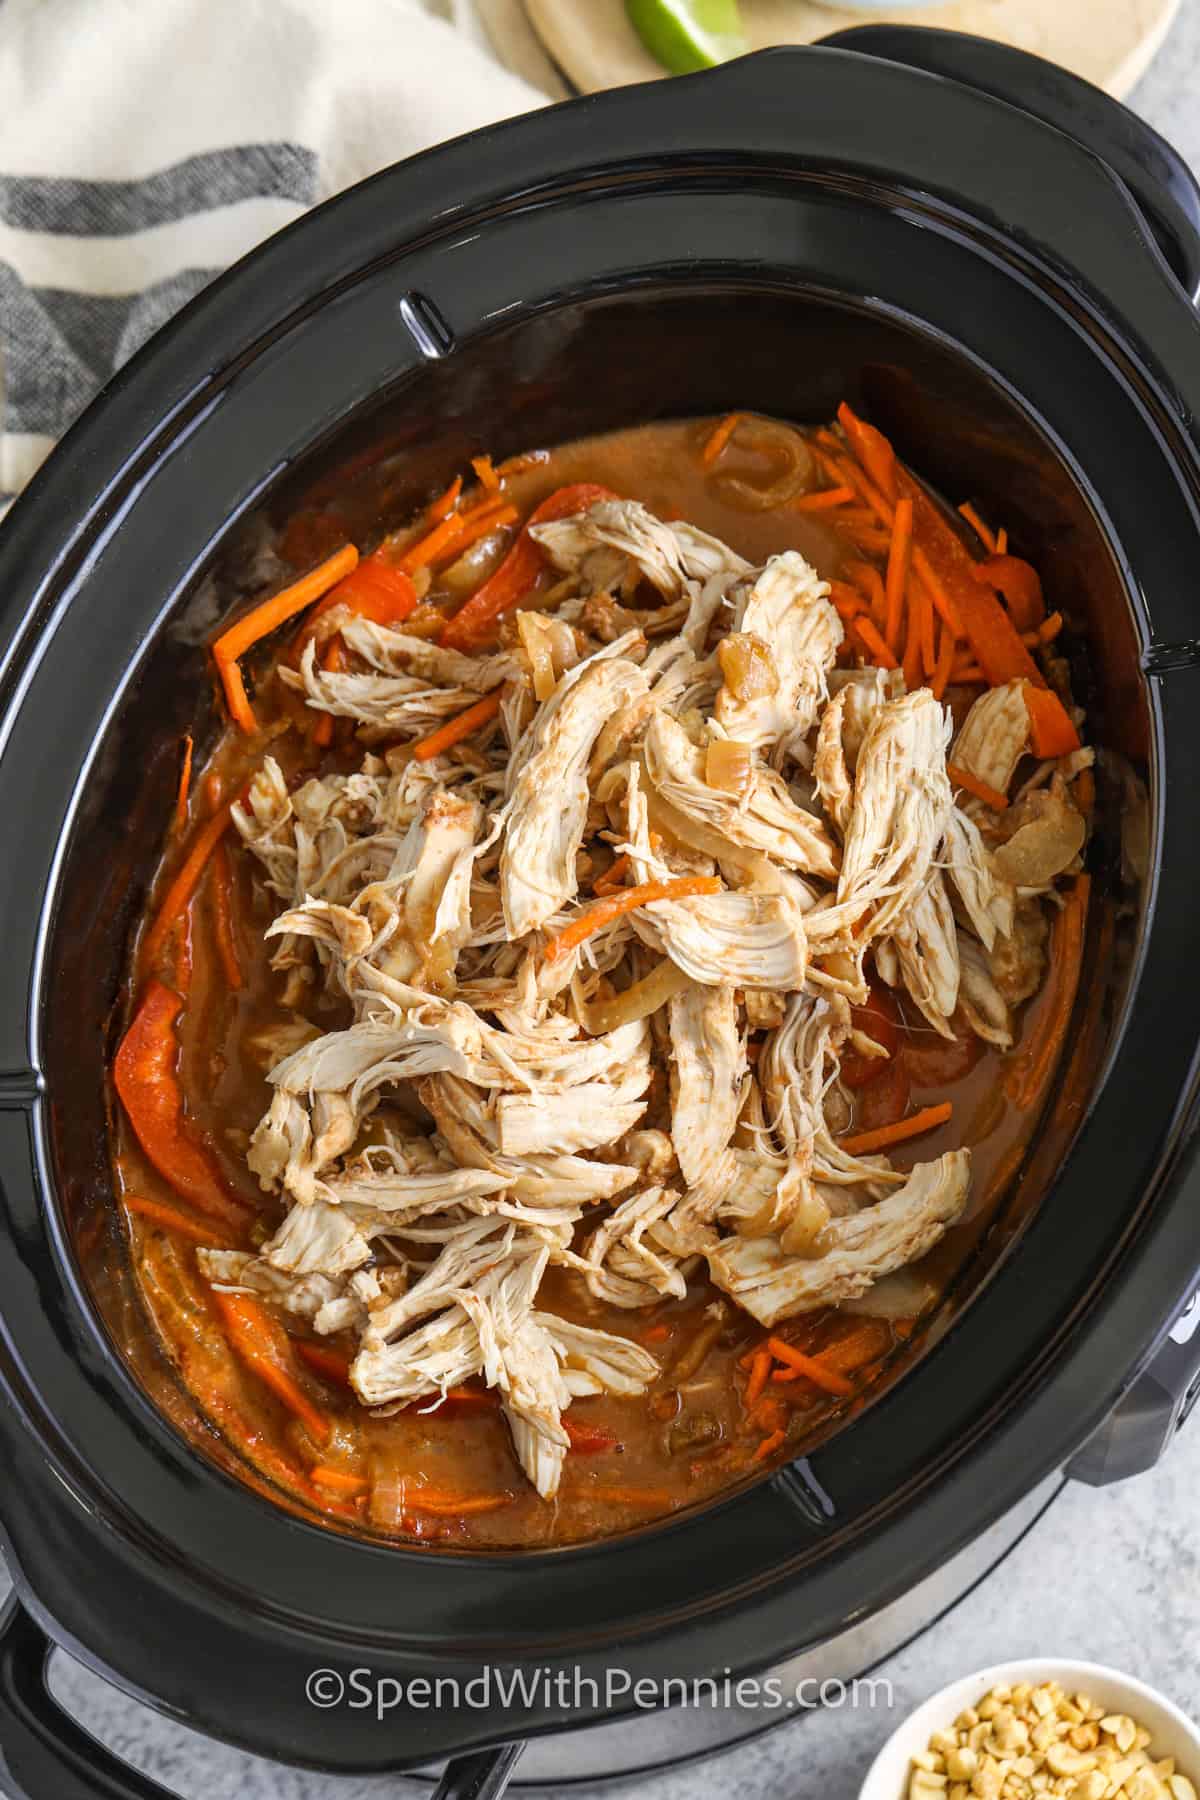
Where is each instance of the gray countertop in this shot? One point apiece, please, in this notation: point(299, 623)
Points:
point(1110, 1576)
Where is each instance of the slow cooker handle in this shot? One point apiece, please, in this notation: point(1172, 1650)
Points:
point(42, 1750)
point(1162, 185)
point(1141, 1427)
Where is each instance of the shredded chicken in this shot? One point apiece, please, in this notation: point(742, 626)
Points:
point(457, 1130)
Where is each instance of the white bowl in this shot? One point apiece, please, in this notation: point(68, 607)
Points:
point(1172, 1733)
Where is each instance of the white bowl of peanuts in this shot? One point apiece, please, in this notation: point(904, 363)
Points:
point(1040, 1731)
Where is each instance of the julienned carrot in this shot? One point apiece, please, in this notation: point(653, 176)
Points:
point(486, 473)
point(453, 1505)
point(869, 582)
point(185, 784)
point(769, 1445)
point(822, 499)
point(331, 662)
point(445, 502)
point(760, 1368)
point(847, 600)
point(1051, 732)
point(262, 1346)
point(911, 661)
point(454, 730)
point(986, 536)
point(841, 467)
point(613, 876)
point(810, 1367)
point(491, 515)
point(925, 1120)
point(146, 1077)
point(897, 571)
point(594, 918)
point(340, 1480)
point(221, 892)
point(473, 623)
point(944, 667)
point(263, 619)
point(990, 796)
point(200, 1231)
point(421, 553)
point(184, 885)
point(1066, 962)
point(872, 449)
point(875, 645)
point(333, 1364)
point(719, 437)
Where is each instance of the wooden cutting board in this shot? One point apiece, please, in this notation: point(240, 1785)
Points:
point(1109, 42)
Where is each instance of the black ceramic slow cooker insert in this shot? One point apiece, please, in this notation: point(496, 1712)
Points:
point(793, 229)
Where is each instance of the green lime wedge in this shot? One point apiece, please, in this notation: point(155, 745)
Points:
point(685, 35)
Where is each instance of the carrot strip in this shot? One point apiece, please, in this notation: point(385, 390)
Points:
point(185, 883)
point(333, 1364)
point(477, 524)
point(719, 437)
point(1002, 542)
point(991, 796)
point(760, 1368)
point(869, 581)
point(454, 730)
point(1066, 962)
point(911, 662)
point(925, 1120)
point(454, 1505)
point(945, 662)
point(486, 472)
point(844, 469)
point(263, 619)
point(823, 499)
point(221, 893)
point(810, 1367)
point(603, 912)
point(1051, 732)
point(426, 548)
point(846, 599)
point(518, 573)
point(875, 645)
point(873, 450)
point(445, 503)
point(331, 662)
point(769, 1446)
point(197, 1230)
point(185, 783)
point(899, 554)
point(657, 1333)
point(986, 536)
point(613, 876)
point(146, 1077)
point(338, 1479)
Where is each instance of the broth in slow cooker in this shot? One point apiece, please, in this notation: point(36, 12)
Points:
point(679, 841)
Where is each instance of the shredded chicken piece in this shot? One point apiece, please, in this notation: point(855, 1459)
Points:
point(994, 736)
point(787, 608)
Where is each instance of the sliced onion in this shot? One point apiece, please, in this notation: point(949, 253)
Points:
point(747, 666)
point(901, 1295)
point(1037, 852)
point(535, 641)
point(796, 467)
point(663, 982)
point(728, 766)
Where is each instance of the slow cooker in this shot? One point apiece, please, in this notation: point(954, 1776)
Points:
point(999, 265)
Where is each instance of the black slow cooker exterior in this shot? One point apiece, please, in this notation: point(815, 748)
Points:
point(794, 226)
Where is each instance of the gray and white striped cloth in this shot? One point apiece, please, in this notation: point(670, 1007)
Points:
point(147, 144)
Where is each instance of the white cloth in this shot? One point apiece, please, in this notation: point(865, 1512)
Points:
point(147, 144)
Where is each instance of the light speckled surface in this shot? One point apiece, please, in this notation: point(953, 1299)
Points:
point(1111, 1576)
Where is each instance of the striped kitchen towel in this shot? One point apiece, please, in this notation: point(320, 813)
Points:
point(146, 144)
